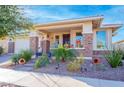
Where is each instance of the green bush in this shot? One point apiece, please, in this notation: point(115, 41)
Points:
point(15, 58)
point(1, 50)
point(42, 61)
point(114, 58)
point(73, 66)
point(62, 53)
point(26, 54)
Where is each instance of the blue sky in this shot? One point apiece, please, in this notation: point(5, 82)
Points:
point(44, 14)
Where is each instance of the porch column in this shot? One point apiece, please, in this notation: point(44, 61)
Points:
point(88, 39)
point(34, 42)
point(72, 37)
point(45, 44)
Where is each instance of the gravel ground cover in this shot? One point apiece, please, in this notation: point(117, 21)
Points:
point(103, 71)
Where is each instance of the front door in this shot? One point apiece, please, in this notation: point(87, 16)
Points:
point(66, 39)
point(57, 41)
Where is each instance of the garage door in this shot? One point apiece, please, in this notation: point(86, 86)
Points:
point(21, 44)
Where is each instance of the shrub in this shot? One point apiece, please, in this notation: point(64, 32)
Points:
point(62, 53)
point(26, 54)
point(1, 50)
point(42, 61)
point(73, 66)
point(81, 59)
point(15, 58)
point(114, 58)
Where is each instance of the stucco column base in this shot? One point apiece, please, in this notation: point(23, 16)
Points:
point(45, 45)
point(34, 44)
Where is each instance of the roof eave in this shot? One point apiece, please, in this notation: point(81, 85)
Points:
point(71, 21)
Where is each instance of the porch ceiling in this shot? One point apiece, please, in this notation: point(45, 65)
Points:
point(69, 24)
point(61, 29)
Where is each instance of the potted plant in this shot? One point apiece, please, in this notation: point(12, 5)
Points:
point(96, 64)
point(22, 61)
point(96, 61)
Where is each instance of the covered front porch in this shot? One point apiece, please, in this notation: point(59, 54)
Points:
point(67, 37)
point(73, 37)
point(74, 34)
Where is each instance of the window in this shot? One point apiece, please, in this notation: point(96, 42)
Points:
point(101, 39)
point(79, 40)
point(56, 41)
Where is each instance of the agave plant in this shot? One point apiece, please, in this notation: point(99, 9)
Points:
point(42, 61)
point(114, 57)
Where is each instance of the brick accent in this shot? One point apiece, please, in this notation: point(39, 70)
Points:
point(11, 47)
point(45, 44)
point(34, 44)
point(88, 44)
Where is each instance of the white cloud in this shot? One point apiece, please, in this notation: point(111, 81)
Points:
point(43, 15)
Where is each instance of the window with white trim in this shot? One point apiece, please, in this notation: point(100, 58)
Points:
point(101, 39)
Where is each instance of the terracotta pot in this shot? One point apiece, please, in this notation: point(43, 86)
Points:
point(22, 61)
point(96, 61)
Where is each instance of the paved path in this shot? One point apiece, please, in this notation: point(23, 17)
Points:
point(32, 79)
point(5, 58)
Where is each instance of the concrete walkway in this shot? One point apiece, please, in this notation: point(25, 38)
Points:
point(5, 58)
point(32, 79)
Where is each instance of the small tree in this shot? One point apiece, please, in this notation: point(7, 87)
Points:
point(12, 20)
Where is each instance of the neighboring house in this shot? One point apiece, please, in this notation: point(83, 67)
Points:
point(16, 44)
point(119, 44)
point(87, 36)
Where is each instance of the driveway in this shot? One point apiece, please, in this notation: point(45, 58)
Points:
point(5, 58)
point(33, 79)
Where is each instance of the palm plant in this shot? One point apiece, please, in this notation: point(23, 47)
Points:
point(63, 54)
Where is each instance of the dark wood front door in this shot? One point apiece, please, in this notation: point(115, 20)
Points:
point(66, 39)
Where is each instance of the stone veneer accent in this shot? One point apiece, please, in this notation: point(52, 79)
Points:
point(100, 54)
point(45, 45)
point(11, 47)
point(34, 44)
point(88, 44)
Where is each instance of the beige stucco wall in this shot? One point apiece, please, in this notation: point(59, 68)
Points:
point(87, 27)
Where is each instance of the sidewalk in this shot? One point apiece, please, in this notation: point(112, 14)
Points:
point(32, 79)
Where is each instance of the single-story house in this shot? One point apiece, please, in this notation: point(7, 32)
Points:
point(119, 44)
point(87, 36)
